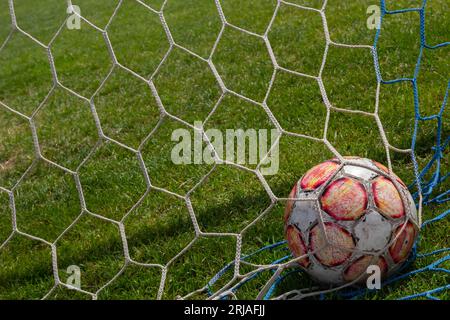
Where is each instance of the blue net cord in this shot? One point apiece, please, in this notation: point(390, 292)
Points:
point(426, 187)
point(276, 246)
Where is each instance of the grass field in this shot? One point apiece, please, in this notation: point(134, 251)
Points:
point(47, 200)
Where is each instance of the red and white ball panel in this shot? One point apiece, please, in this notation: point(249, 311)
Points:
point(344, 199)
point(357, 268)
point(387, 198)
point(297, 245)
point(331, 245)
point(383, 168)
point(290, 203)
point(318, 175)
point(404, 240)
point(412, 213)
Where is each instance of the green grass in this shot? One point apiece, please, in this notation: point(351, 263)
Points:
point(47, 200)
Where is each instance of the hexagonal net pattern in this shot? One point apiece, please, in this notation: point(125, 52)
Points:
point(429, 176)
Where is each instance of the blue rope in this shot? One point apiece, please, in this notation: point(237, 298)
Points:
point(425, 187)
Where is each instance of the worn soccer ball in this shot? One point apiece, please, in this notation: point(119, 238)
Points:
point(342, 218)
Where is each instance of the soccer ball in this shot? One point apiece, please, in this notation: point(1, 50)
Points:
point(342, 218)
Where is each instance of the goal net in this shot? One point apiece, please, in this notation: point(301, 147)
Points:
point(98, 198)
